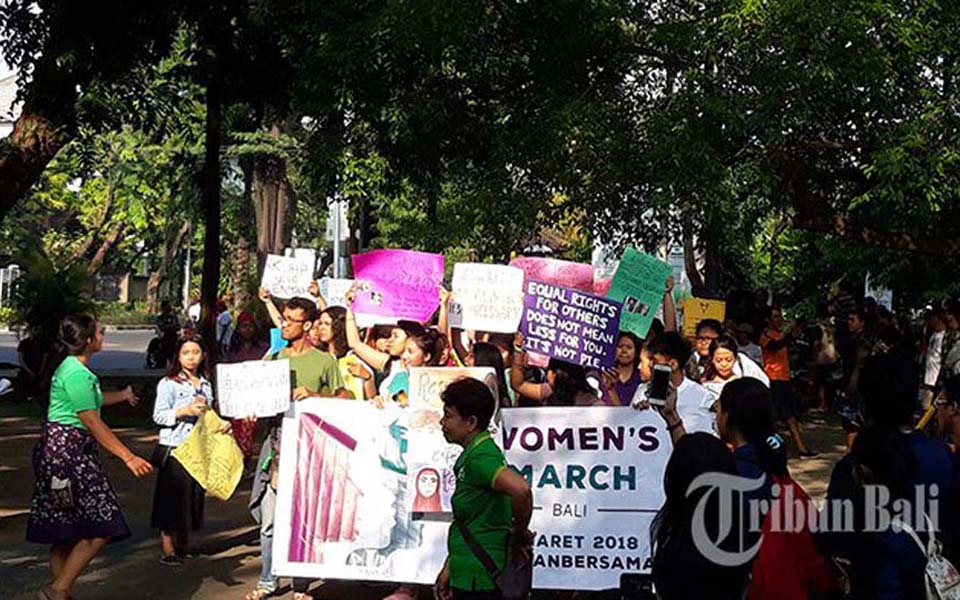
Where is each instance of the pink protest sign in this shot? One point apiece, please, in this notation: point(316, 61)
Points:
point(397, 283)
point(558, 272)
point(601, 286)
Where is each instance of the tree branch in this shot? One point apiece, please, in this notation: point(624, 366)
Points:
point(108, 243)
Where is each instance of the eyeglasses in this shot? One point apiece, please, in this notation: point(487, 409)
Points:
point(286, 320)
point(705, 338)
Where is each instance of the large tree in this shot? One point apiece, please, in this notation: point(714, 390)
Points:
point(839, 117)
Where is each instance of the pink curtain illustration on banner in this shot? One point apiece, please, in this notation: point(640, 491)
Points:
point(324, 498)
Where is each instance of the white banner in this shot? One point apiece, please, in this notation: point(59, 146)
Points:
point(353, 477)
point(344, 502)
point(287, 277)
point(597, 479)
point(487, 297)
point(256, 387)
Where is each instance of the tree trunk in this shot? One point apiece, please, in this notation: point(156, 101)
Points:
point(690, 259)
point(80, 251)
point(273, 201)
point(113, 236)
point(241, 269)
point(210, 194)
point(46, 124)
point(170, 251)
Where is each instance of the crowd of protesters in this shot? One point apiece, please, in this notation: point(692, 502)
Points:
point(736, 396)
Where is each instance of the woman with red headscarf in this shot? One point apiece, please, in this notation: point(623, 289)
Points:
point(428, 486)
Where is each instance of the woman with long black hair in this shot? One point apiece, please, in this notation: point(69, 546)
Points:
point(745, 421)
point(675, 555)
point(621, 381)
point(330, 334)
point(74, 507)
point(182, 398)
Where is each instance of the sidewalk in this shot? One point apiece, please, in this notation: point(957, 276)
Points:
point(229, 563)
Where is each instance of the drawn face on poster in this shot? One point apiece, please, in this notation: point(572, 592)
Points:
point(427, 497)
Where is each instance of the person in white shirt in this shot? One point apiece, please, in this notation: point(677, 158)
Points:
point(931, 371)
point(745, 341)
point(727, 363)
point(689, 404)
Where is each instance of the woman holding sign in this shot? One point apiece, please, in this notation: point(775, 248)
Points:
point(386, 362)
point(492, 504)
point(74, 507)
point(621, 382)
point(182, 397)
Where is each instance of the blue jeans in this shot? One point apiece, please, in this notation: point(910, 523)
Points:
point(268, 506)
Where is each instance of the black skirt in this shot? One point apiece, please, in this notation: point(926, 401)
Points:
point(178, 498)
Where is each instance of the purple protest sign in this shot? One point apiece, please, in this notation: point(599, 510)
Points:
point(401, 284)
point(570, 325)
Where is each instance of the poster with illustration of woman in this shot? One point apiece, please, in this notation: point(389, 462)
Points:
point(431, 488)
point(427, 491)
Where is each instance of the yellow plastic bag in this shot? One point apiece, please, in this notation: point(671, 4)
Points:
point(212, 458)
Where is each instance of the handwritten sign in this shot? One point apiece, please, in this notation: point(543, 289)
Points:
point(638, 284)
point(569, 325)
point(212, 458)
point(558, 272)
point(487, 297)
point(287, 277)
point(256, 387)
point(597, 475)
point(427, 383)
point(401, 284)
point(334, 291)
point(698, 309)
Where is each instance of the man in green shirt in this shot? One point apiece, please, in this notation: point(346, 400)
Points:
point(492, 501)
point(312, 374)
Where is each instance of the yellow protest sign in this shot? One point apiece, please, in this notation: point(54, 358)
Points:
point(698, 309)
point(211, 457)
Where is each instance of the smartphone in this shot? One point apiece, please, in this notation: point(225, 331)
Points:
point(659, 384)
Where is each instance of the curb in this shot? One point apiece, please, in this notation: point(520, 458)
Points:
point(106, 328)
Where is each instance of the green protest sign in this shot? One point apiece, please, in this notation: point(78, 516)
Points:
point(639, 284)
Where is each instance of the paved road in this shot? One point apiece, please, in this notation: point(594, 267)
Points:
point(121, 350)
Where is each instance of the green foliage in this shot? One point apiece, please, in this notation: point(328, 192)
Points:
point(45, 293)
point(118, 313)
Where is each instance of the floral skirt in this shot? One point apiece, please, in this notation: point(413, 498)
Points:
point(243, 433)
point(72, 497)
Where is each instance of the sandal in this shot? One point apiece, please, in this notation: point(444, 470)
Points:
point(48, 593)
point(171, 560)
point(259, 593)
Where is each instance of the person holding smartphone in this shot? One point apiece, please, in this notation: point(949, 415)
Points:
point(684, 404)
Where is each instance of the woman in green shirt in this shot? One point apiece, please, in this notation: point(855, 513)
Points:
point(74, 507)
point(491, 500)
